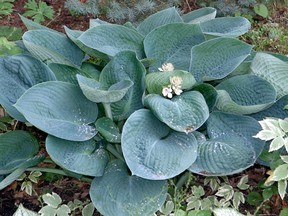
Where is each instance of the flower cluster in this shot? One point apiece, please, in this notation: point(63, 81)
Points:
point(174, 86)
point(166, 67)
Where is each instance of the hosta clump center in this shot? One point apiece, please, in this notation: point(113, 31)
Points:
point(135, 106)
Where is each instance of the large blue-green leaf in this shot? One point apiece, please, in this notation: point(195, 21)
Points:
point(59, 109)
point(172, 43)
point(157, 80)
point(117, 193)
point(245, 94)
point(169, 15)
point(230, 147)
point(20, 170)
point(19, 73)
point(183, 113)
point(16, 147)
point(66, 73)
point(49, 46)
point(101, 93)
point(216, 58)
point(96, 22)
point(125, 66)
point(86, 158)
point(91, 70)
point(226, 26)
point(112, 39)
point(31, 25)
point(152, 150)
point(75, 34)
point(276, 110)
point(273, 70)
point(200, 15)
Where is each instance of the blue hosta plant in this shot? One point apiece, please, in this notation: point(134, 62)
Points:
point(133, 106)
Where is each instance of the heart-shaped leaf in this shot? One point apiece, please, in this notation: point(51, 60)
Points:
point(226, 26)
point(216, 58)
point(117, 193)
point(169, 15)
point(101, 93)
point(73, 155)
point(19, 73)
point(273, 70)
point(112, 39)
point(59, 109)
point(16, 147)
point(183, 113)
point(125, 66)
point(276, 110)
point(245, 94)
point(152, 150)
point(231, 147)
point(172, 43)
point(49, 46)
point(157, 80)
point(200, 15)
point(108, 129)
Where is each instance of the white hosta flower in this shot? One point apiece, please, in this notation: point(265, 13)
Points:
point(167, 92)
point(177, 91)
point(166, 67)
point(176, 81)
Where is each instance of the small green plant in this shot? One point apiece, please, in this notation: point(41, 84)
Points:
point(38, 11)
point(119, 11)
point(6, 7)
point(11, 33)
point(52, 205)
point(8, 47)
point(27, 181)
point(276, 130)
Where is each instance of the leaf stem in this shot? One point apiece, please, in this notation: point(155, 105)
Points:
point(108, 111)
point(114, 151)
point(183, 179)
point(57, 171)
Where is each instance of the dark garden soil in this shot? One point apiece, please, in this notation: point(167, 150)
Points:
point(70, 189)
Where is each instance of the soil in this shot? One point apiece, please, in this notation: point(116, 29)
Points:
point(70, 189)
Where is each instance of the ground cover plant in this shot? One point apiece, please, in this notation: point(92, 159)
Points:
point(142, 106)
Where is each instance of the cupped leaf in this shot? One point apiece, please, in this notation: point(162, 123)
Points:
point(245, 94)
point(273, 70)
point(117, 193)
point(216, 58)
point(172, 43)
point(157, 80)
point(59, 109)
point(19, 73)
point(152, 150)
point(276, 110)
point(86, 158)
point(231, 147)
point(112, 39)
point(49, 46)
point(108, 129)
point(75, 34)
point(209, 93)
point(66, 73)
point(226, 26)
point(183, 113)
point(91, 70)
point(200, 15)
point(16, 147)
point(125, 66)
point(101, 93)
point(167, 16)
